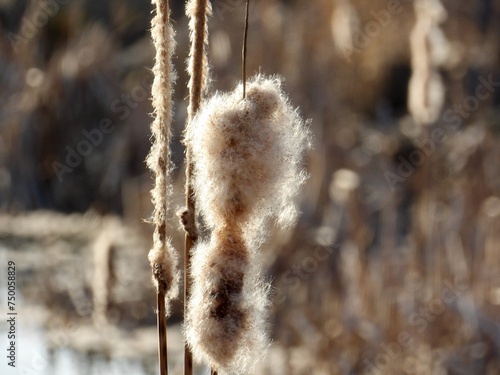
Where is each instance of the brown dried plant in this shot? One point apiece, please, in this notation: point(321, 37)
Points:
point(162, 256)
point(198, 12)
point(243, 168)
point(429, 50)
point(247, 160)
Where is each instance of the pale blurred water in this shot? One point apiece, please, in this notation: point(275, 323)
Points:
point(33, 356)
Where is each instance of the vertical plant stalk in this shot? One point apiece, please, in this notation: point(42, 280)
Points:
point(426, 97)
point(198, 12)
point(426, 89)
point(244, 51)
point(161, 323)
point(188, 244)
point(162, 256)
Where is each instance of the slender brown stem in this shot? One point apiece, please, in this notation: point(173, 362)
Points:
point(199, 69)
point(244, 51)
point(158, 161)
point(162, 333)
point(188, 356)
point(213, 372)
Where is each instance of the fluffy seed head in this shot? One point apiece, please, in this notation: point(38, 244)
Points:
point(162, 256)
point(164, 264)
point(225, 323)
point(247, 155)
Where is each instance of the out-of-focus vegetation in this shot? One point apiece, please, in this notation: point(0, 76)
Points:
point(394, 267)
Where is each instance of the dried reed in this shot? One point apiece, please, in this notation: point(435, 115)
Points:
point(105, 277)
point(162, 256)
point(198, 12)
point(428, 47)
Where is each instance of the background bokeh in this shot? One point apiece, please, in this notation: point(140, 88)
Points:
point(394, 265)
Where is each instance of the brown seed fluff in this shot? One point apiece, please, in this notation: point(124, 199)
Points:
point(224, 325)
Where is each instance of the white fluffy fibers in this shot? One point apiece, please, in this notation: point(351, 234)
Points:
point(247, 154)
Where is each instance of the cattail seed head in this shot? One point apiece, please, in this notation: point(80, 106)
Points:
point(224, 326)
point(164, 265)
point(247, 154)
point(246, 157)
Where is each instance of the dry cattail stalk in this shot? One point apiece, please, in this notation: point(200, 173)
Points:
point(344, 20)
point(429, 51)
point(247, 156)
point(244, 50)
point(198, 12)
point(104, 278)
point(162, 256)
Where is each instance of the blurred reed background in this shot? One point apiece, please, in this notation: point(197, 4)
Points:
point(394, 267)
